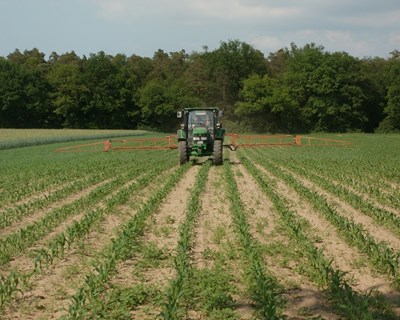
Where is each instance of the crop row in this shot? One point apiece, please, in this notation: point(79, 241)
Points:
point(358, 177)
point(182, 259)
point(19, 211)
point(78, 229)
point(265, 289)
point(17, 242)
point(380, 215)
point(384, 258)
point(26, 236)
point(87, 302)
point(38, 178)
point(350, 303)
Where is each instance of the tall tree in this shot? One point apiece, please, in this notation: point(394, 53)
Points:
point(276, 62)
point(228, 66)
point(375, 81)
point(392, 110)
point(29, 71)
point(266, 106)
point(68, 89)
point(328, 88)
point(12, 104)
point(109, 98)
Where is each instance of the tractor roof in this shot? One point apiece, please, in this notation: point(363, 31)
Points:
point(201, 109)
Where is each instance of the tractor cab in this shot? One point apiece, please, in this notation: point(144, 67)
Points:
point(201, 118)
point(200, 128)
point(201, 134)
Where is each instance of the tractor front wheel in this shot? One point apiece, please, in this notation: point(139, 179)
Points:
point(218, 157)
point(183, 152)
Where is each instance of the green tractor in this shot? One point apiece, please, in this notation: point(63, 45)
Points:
point(201, 134)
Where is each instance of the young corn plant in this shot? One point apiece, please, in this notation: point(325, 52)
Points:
point(384, 258)
point(352, 304)
point(10, 285)
point(87, 303)
point(78, 229)
point(44, 256)
point(265, 289)
point(171, 309)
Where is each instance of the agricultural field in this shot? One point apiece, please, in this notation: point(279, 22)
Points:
point(273, 233)
point(12, 138)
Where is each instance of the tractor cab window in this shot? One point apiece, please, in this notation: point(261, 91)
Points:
point(200, 119)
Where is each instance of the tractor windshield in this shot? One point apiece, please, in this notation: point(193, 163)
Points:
point(201, 118)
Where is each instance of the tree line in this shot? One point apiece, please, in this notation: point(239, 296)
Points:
point(295, 89)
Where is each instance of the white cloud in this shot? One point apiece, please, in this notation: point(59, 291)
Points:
point(267, 43)
point(334, 40)
point(110, 10)
point(226, 9)
point(184, 10)
point(394, 40)
point(356, 27)
point(381, 19)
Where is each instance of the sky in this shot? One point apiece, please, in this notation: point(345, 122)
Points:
point(362, 28)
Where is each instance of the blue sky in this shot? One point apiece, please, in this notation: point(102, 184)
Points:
point(360, 27)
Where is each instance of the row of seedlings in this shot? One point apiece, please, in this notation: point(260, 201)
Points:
point(380, 215)
point(264, 289)
point(172, 309)
point(88, 178)
point(370, 181)
point(77, 230)
point(385, 259)
point(351, 304)
point(40, 175)
point(18, 241)
point(88, 301)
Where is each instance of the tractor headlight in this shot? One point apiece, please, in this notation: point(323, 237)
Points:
point(196, 138)
point(204, 138)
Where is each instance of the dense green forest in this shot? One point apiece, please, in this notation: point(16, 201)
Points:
point(296, 89)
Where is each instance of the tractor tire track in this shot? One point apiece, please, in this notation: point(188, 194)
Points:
point(214, 239)
point(161, 235)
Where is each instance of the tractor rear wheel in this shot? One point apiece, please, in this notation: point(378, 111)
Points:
point(183, 152)
point(218, 157)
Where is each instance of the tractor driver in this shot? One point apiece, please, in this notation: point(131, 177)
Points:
point(197, 120)
point(200, 120)
point(207, 122)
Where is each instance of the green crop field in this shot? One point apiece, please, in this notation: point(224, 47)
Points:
point(274, 233)
point(13, 138)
